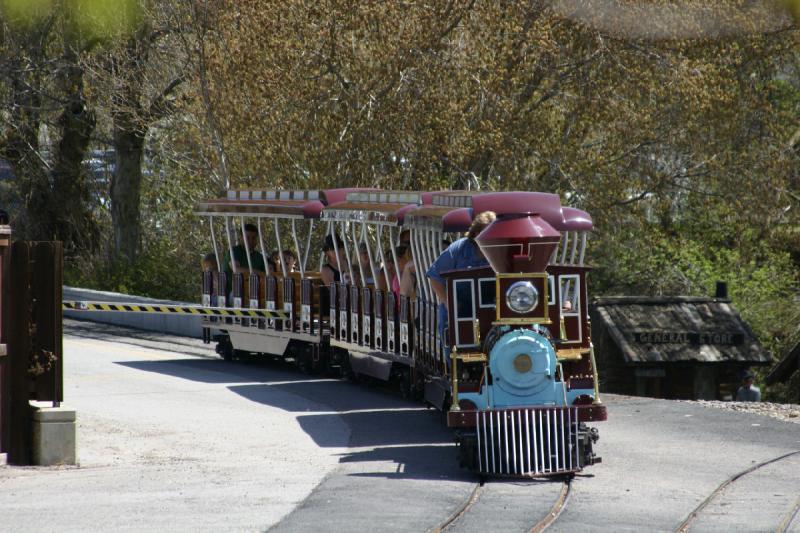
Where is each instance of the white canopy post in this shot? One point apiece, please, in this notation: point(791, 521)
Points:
point(356, 244)
point(429, 251)
point(263, 246)
point(346, 251)
point(244, 243)
point(417, 258)
point(297, 248)
point(383, 258)
point(574, 253)
point(308, 247)
point(214, 243)
point(583, 247)
point(280, 250)
point(392, 247)
point(230, 240)
point(329, 231)
point(366, 240)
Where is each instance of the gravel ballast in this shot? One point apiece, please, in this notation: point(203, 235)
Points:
point(788, 412)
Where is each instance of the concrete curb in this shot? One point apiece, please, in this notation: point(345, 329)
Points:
point(182, 325)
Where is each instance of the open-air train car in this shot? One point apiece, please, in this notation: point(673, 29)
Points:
point(515, 370)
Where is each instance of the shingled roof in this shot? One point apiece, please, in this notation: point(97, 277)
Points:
point(678, 328)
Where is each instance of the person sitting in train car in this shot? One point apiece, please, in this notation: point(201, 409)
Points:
point(463, 253)
point(388, 270)
point(209, 262)
point(331, 271)
point(290, 260)
point(274, 261)
point(408, 281)
point(403, 254)
point(363, 258)
point(405, 237)
point(356, 275)
point(239, 263)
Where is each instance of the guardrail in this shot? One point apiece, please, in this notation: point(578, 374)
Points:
point(170, 324)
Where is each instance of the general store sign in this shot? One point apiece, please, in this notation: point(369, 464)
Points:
point(685, 337)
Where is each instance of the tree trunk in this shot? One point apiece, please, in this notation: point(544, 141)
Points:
point(72, 209)
point(126, 185)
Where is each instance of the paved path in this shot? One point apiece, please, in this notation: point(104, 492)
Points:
point(173, 439)
point(168, 442)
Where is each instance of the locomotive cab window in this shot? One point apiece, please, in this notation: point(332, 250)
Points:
point(464, 306)
point(551, 290)
point(488, 292)
point(569, 292)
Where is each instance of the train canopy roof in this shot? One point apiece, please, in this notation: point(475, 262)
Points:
point(265, 202)
point(453, 211)
point(450, 211)
point(389, 207)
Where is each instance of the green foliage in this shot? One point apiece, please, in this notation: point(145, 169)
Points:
point(160, 272)
point(684, 151)
point(101, 20)
point(762, 282)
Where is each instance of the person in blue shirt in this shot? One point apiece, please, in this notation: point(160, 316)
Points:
point(463, 253)
point(748, 392)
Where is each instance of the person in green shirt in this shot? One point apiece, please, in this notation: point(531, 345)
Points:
point(239, 263)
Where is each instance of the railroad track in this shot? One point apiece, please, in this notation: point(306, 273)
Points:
point(559, 505)
point(791, 515)
point(788, 518)
point(468, 510)
point(462, 509)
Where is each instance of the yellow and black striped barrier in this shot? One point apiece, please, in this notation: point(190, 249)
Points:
point(172, 309)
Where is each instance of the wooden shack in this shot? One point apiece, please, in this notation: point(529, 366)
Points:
point(674, 347)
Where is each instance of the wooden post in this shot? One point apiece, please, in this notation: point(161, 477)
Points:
point(5, 404)
point(47, 272)
point(32, 289)
point(19, 349)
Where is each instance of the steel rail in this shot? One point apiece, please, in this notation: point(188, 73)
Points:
point(684, 526)
point(461, 510)
point(788, 518)
point(555, 511)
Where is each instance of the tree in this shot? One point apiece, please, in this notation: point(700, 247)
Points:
point(135, 81)
point(681, 148)
point(50, 125)
point(43, 85)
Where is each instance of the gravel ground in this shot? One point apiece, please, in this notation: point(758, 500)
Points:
point(789, 412)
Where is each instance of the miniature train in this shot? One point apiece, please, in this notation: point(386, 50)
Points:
point(515, 371)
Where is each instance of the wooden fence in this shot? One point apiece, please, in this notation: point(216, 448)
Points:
point(31, 365)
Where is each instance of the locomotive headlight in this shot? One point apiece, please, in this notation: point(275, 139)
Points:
point(522, 297)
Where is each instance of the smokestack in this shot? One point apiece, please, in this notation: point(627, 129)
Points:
point(518, 243)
